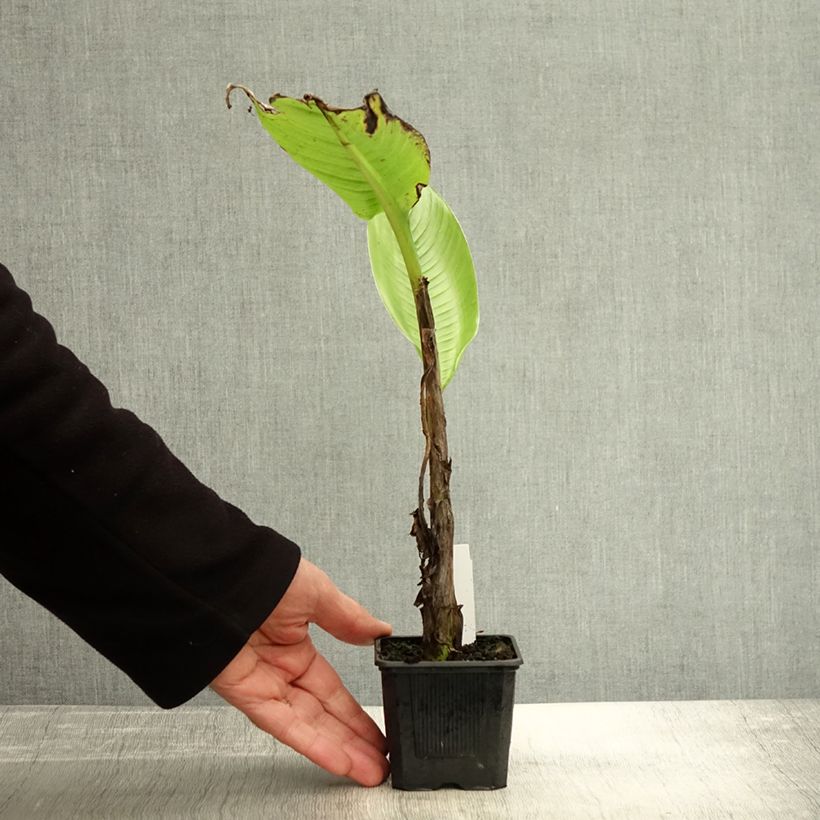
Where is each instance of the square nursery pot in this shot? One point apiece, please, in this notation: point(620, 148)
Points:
point(448, 723)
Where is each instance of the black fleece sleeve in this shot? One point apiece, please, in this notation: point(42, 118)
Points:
point(102, 525)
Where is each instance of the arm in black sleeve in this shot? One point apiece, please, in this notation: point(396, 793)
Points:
point(102, 525)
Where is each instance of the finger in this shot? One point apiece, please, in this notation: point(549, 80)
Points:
point(345, 618)
point(314, 713)
point(322, 681)
point(277, 667)
point(318, 743)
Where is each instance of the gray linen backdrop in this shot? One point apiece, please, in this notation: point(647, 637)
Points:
point(634, 430)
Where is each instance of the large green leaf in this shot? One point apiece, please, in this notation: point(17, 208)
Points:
point(380, 166)
point(366, 155)
point(445, 261)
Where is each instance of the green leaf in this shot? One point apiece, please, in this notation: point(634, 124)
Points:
point(380, 166)
point(445, 261)
point(368, 156)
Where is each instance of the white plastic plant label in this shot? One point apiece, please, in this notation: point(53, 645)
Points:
point(463, 582)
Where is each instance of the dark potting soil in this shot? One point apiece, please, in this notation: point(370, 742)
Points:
point(485, 648)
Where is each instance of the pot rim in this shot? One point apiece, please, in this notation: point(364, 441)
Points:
point(443, 666)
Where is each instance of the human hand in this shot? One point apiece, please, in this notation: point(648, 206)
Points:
point(286, 688)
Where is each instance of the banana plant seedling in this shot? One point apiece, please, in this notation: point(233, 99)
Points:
point(380, 166)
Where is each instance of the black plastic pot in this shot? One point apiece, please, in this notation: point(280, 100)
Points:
point(448, 723)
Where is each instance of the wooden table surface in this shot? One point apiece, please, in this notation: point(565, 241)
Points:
point(741, 759)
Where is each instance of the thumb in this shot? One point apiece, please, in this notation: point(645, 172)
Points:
point(345, 618)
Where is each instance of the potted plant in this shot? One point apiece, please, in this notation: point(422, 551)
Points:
point(448, 707)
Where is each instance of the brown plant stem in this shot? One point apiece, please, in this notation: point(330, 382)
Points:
point(440, 613)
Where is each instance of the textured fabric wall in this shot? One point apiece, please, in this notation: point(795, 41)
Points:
point(634, 429)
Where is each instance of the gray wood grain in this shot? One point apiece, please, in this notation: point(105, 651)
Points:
point(710, 759)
